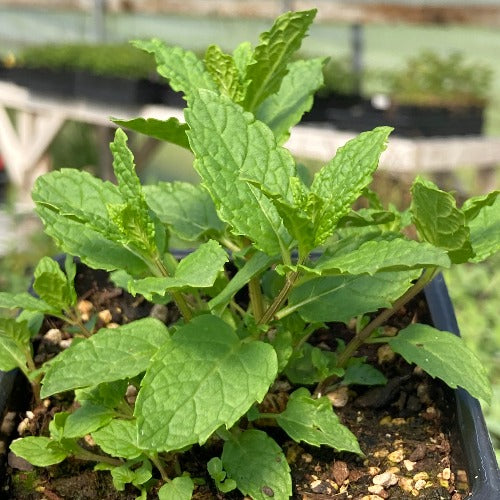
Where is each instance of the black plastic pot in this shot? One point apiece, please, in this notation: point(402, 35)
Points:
point(357, 114)
point(480, 461)
point(118, 90)
point(482, 468)
point(44, 81)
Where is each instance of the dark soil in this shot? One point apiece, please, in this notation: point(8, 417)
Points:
point(405, 428)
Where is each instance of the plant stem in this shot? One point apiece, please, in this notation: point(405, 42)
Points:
point(83, 454)
point(361, 337)
point(177, 296)
point(229, 244)
point(256, 298)
point(158, 464)
point(280, 298)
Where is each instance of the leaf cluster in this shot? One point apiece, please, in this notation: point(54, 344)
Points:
point(300, 252)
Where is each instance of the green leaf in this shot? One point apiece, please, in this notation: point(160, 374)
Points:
point(183, 70)
point(242, 56)
point(439, 221)
point(340, 183)
point(122, 476)
point(186, 208)
point(272, 55)
point(23, 301)
point(86, 419)
point(13, 337)
point(171, 130)
point(258, 465)
point(73, 206)
point(51, 284)
point(118, 439)
point(106, 356)
point(485, 231)
point(283, 110)
point(310, 365)
point(366, 217)
point(444, 355)
point(225, 73)
point(360, 373)
point(197, 270)
point(204, 377)
point(70, 269)
point(39, 451)
point(472, 207)
point(109, 394)
point(226, 141)
point(33, 319)
point(131, 217)
point(339, 298)
point(314, 422)
point(180, 488)
point(385, 255)
point(218, 474)
point(253, 267)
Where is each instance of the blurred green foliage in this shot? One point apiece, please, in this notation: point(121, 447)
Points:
point(430, 79)
point(108, 59)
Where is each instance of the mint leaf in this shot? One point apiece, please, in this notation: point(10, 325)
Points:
point(227, 141)
point(131, 217)
point(281, 111)
point(339, 298)
point(439, 221)
point(218, 474)
point(314, 422)
point(360, 373)
point(171, 130)
point(180, 488)
point(39, 451)
point(258, 465)
point(14, 338)
point(473, 206)
point(340, 183)
point(272, 55)
point(51, 284)
point(225, 73)
point(118, 439)
point(106, 356)
point(253, 267)
point(485, 231)
point(183, 70)
point(25, 301)
point(204, 377)
point(197, 270)
point(444, 355)
point(242, 56)
point(385, 255)
point(187, 209)
point(73, 206)
point(86, 419)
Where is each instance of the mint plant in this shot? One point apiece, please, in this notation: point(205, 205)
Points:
point(302, 253)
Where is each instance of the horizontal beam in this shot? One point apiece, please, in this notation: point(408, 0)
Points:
point(486, 13)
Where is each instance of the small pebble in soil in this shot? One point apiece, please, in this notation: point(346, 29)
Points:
point(159, 311)
point(112, 325)
point(420, 484)
point(385, 479)
point(377, 489)
point(387, 420)
point(8, 423)
point(339, 397)
point(445, 474)
point(85, 308)
point(406, 484)
point(64, 344)
point(18, 463)
point(340, 472)
point(385, 354)
point(373, 471)
point(131, 394)
point(23, 426)
point(409, 465)
point(381, 453)
point(53, 336)
point(372, 497)
point(396, 456)
point(421, 476)
point(419, 453)
point(307, 457)
point(398, 421)
point(105, 316)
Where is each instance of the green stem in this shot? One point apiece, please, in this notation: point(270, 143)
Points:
point(83, 454)
point(229, 244)
point(361, 337)
point(159, 465)
point(256, 298)
point(280, 298)
point(177, 296)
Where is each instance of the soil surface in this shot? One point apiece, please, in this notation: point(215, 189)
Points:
point(405, 428)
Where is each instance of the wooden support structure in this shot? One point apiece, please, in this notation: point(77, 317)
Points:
point(24, 141)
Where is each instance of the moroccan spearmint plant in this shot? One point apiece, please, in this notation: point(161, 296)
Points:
point(302, 253)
